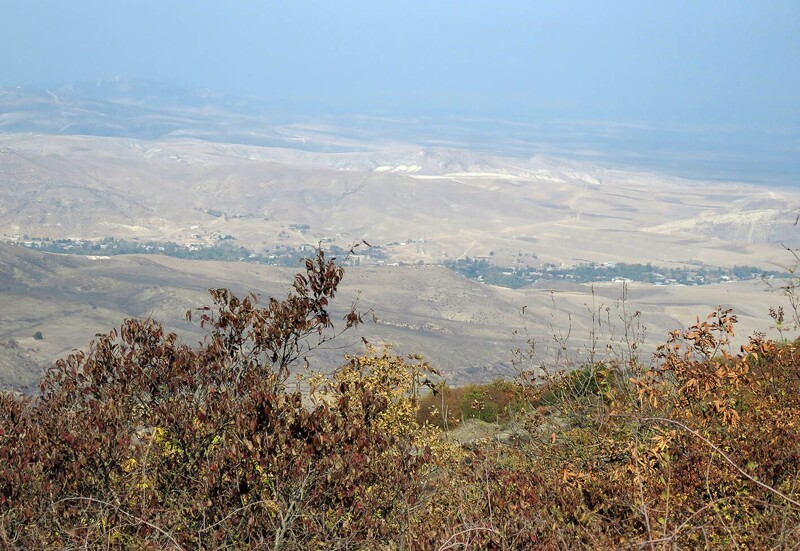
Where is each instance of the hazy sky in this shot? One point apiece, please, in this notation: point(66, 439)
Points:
point(682, 61)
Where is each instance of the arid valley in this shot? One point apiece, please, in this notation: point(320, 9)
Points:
point(423, 276)
point(413, 210)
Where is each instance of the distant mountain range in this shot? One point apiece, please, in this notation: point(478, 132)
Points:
point(120, 107)
point(144, 110)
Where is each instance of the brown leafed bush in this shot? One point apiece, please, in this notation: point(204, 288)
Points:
point(145, 442)
point(699, 449)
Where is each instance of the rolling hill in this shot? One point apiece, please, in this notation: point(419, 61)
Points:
point(464, 328)
point(148, 164)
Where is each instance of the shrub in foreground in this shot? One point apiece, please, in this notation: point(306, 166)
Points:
point(145, 442)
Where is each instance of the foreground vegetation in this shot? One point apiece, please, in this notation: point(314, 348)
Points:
point(145, 442)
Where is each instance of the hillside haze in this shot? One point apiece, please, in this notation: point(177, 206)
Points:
point(157, 166)
point(153, 164)
point(418, 203)
point(153, 110)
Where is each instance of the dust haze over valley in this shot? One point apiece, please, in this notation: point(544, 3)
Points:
point(484, 162)
point(419, 207)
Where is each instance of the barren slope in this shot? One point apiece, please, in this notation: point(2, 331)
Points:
point(464, 328)
point(420, 204)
